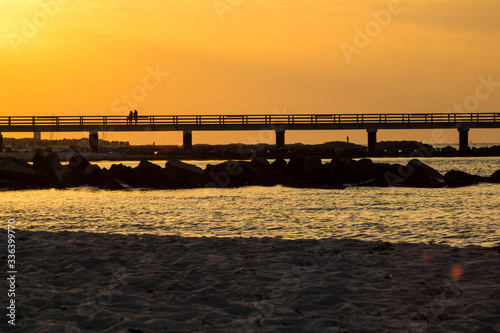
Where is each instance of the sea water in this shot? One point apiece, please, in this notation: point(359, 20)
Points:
point(455, 216)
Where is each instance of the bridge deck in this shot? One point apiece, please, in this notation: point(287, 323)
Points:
point(248, 122)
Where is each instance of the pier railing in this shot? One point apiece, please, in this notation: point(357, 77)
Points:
point(293, 119)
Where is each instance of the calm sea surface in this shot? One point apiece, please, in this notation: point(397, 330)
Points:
point(461, 216)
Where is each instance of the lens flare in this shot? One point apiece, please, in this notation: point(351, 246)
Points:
point(426, 257)
point(456, 272)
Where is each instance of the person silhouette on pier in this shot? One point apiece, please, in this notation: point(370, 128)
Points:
point(129, 118)
point(347, 139)
point(136, 116)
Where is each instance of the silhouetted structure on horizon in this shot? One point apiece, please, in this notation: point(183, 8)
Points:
point(279, 123)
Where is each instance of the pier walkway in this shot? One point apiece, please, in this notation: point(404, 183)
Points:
point(280, 123)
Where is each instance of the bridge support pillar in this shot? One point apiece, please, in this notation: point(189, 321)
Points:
point(280, 138)
point(94, 141)
point(1, 142)
point(463, 134)
point(187, 140)
point(372, 140)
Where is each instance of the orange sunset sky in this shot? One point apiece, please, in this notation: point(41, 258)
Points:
point(84, 57)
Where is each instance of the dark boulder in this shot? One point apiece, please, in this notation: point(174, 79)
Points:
point(226, 174)
point(93, 175)
point(12, 185)
point(418, 174)
point(414, 174)
point(343, 161)
point(342, 170)
point(304, 168)
point(166, 178)
point(427, 170)
point(495, 177)
point(144, 171)
point(333, 174)
point(278, 163)
point(249, 174)
point(80, 169)
point(63, 176)
point(456, 178)
point(200, 181)
point(375, 182)
point(384, 175)
point(260, 163)
point(40, 161)
point(19, 171)
point(233, 174)
point(358, 171)
point(124, 173)
point(116, 184)
point(294, 182)
point(381, 169)
point(184, 169)
point(309, 162)
point(78, 162)
point(52, 159)
point(78, 172)
point(176, 175)
point(270, 178)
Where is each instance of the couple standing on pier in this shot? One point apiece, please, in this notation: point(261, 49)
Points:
point(132, 116)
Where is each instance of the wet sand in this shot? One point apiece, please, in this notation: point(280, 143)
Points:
point(84, 282)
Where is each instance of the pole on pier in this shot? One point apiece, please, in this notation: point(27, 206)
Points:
point(1, 142)
point(187, 140)
point(94, 141)
point(463, 134)
point(280, 138)
point(372, 140)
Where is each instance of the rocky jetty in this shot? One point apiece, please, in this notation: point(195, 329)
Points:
point(46, 171)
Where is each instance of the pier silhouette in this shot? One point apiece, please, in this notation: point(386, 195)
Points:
point(280, 123)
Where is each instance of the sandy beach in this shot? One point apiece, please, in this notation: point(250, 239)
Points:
point(83, 282)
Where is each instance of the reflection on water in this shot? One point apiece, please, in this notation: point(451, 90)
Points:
point(455, 216)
